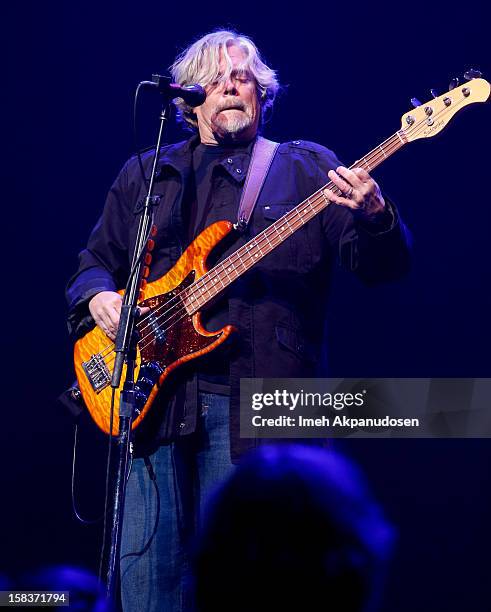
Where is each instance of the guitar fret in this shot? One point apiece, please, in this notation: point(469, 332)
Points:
point(287, 224)
point(240, 259)
point(252, 248)
point(312, 209)
point(318, 206)
point(189, 298)
point(191, 303)
point(248, 250)
point(227, 270)
point(273, 237)
point(307, 212)
point(250, 262)
point(278, 232)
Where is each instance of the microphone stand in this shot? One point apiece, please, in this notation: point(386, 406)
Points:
point(126, 351)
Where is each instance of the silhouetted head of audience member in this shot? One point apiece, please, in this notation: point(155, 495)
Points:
point(294, 528)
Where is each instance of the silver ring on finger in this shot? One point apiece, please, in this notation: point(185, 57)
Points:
point(348, 193)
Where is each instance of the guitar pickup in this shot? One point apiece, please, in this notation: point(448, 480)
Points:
point(156, 329)
point(97, 373)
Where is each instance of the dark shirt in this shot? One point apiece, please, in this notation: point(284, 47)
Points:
point(211, 198)
point(278, 306)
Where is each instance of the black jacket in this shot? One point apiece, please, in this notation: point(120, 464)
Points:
point(279, 305)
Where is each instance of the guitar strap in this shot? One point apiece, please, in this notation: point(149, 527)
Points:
point(262, 157)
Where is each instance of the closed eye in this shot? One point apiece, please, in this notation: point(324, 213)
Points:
point(242, 76)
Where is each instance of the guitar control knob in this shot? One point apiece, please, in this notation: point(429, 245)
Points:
point(150, 371)
point(144, 385)
point(76, 393)
point(140, 399)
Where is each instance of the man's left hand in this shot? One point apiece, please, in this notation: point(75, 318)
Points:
point(358, 192)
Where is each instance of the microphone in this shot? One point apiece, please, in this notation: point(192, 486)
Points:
point(194, 95)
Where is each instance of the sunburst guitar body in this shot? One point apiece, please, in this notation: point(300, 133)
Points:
point(170, 334)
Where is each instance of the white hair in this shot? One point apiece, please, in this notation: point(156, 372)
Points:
point(200, 63)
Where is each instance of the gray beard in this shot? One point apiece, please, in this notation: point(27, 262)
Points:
point(231, 126)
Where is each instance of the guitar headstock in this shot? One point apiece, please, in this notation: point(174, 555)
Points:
point(431, 118)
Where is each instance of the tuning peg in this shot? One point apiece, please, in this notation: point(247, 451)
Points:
point(415, 102)
point(472, 74)
point(453, 84)
point(434, 93)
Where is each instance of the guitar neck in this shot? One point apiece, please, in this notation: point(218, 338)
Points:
point(224, 273)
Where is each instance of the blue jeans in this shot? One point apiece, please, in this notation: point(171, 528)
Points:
point(158, 527)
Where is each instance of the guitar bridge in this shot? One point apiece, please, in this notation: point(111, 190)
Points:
point(97, 372)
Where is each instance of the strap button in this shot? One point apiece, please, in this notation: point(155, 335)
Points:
point(238, 170)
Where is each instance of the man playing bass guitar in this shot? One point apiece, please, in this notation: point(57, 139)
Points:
point(191, 438)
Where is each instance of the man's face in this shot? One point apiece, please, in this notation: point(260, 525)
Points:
point(232, 109)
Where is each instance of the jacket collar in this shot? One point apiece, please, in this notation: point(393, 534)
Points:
point(179, 158)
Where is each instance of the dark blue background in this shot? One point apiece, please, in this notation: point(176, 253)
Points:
point(350, 71)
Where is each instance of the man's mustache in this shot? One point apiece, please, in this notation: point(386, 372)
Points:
point(232, 104)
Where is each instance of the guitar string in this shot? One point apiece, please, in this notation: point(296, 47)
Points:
point(317, 198)
point(194, 290)
point(271, 238)
point(191, 292)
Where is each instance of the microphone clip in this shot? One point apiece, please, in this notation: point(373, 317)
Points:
point(194, 95)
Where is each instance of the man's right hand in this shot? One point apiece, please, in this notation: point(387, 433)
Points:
point(105, 308)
